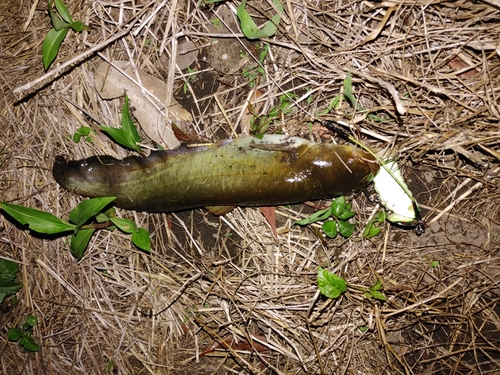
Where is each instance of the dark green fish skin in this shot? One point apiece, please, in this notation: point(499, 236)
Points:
point(248, 171)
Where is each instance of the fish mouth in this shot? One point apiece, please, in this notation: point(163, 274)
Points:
point(60, 169)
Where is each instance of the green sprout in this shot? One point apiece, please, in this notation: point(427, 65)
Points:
point(83, 132)
point(127, 136)
point(61, 22)
point(189, 77)
point(336, 216)
point(23, 334)
point(8, 273)
point(84, 220)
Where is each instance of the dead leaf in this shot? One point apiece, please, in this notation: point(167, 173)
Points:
point(147, 98)
point(456, 63)
point(270, 214)
point(228, 341)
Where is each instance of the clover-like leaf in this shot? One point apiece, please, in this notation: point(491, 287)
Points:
point(14, 334)
point(338, 206)
point(9, 288)
point(330, 228)
point(346, 229)
point(29, 344)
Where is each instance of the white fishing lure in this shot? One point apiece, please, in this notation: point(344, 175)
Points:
point(396, 197)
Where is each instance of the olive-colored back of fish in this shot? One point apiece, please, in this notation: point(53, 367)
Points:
point(244, 172)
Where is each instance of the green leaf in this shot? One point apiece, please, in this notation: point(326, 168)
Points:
point(348, 89)
point(249, 27)
point(346, 229)
point(102, 218)
point(8, 270)
point(87, 209)
point(371, 231)
point(329, 284)
point(51, 45)
point(364, 328)
point(125, 225)
point(29, 344)
point(378, 295)
point(84, 130)
point(14, 334)
point(77, 137)
point(334, 104)
point(140, 238)
point(31, 320)
point(63, 11)
point(317, 216)
point(79, 242)
point(347, 213)
point(128, 124)
point(373, 226)
point(377, 286)
point(330, 228)
point(338, 206)
point(263, 53)
point(77, 26)
point(122, 137)
point(38, 221)
point(57, 22)
point(8, 288)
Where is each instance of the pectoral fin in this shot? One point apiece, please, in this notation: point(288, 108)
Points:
point(219, 210)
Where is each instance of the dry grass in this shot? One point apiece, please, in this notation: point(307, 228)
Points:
point(430, 69)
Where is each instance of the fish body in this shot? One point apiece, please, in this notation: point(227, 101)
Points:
point(248, 171)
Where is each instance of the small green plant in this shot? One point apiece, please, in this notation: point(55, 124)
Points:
point(247, 24)
point(284, 106)
point(260, 124)
point(61, 22)
point(250, 29)
point(88, 216)
point(332, 286)
point(23, 334)
point(373, 227)
point(215, 22)
point(83, 132)
point(329, 284)
point(188, 79)
point(336, 216)
point(376, 291)
point(8, 273)
point(354, 101)
point(84, 220)
point(253, 71)
point(127, 136)
point(334, 103)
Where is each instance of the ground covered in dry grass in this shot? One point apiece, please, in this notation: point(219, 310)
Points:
point(428, 75)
